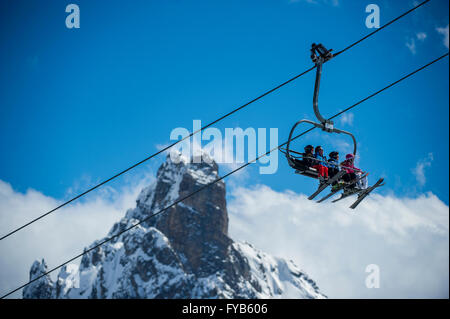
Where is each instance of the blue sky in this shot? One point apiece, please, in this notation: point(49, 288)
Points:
point(77, 106)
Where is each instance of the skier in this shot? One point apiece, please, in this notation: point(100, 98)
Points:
point(308, 156)
point(321, 164)
point(353, 172)
point(333, 163)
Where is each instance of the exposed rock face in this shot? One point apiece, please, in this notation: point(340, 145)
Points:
point(183, 252)
point(42, 288)
point(197, 227)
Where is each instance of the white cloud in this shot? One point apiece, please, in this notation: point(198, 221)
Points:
point(160, 147)
point(421, 36)
point(347, 119)
point(59, 236)
point(419, 170)
point(444, 31)
point(406, 237)
point(224, 154)
point(341, 143)
point(411, 45)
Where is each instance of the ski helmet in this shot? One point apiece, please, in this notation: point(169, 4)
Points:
point(350, 156)
point(333, 154)
point(309, 148)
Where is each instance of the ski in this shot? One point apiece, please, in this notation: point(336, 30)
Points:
point(327, 183)
point(350, 193)
point(330, 194)
point(341, 187)
point(366, 192)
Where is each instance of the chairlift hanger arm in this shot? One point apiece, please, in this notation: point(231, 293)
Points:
point(292, 132)
point(319, 55)
point(316, 94)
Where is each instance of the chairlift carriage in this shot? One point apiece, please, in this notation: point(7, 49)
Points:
point(320, 55)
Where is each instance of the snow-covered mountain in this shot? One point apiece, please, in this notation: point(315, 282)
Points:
point(184, 252)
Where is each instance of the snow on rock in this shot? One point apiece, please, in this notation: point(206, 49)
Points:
point(42, 288)
point(277, 277)
point(184, 252)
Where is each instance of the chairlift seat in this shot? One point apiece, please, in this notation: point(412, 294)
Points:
point(302, 169)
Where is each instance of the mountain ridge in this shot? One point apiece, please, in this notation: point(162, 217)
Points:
point(184, 252)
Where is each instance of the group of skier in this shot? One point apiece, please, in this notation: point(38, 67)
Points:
point(327, 168)
point(313, 163)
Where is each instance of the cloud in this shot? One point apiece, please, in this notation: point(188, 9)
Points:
point(419, 170)
point(80, 185)
point(160, 147)
point(421, 36)
point(411, 45)
point(444, 32)
point(234, 148)
point(406, 237)
point(59, 236)
point(347, 119)
point(341, 143)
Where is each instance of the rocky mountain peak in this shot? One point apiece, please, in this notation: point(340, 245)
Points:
point(43, 287)
point(198, 225)
point(183, 252)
